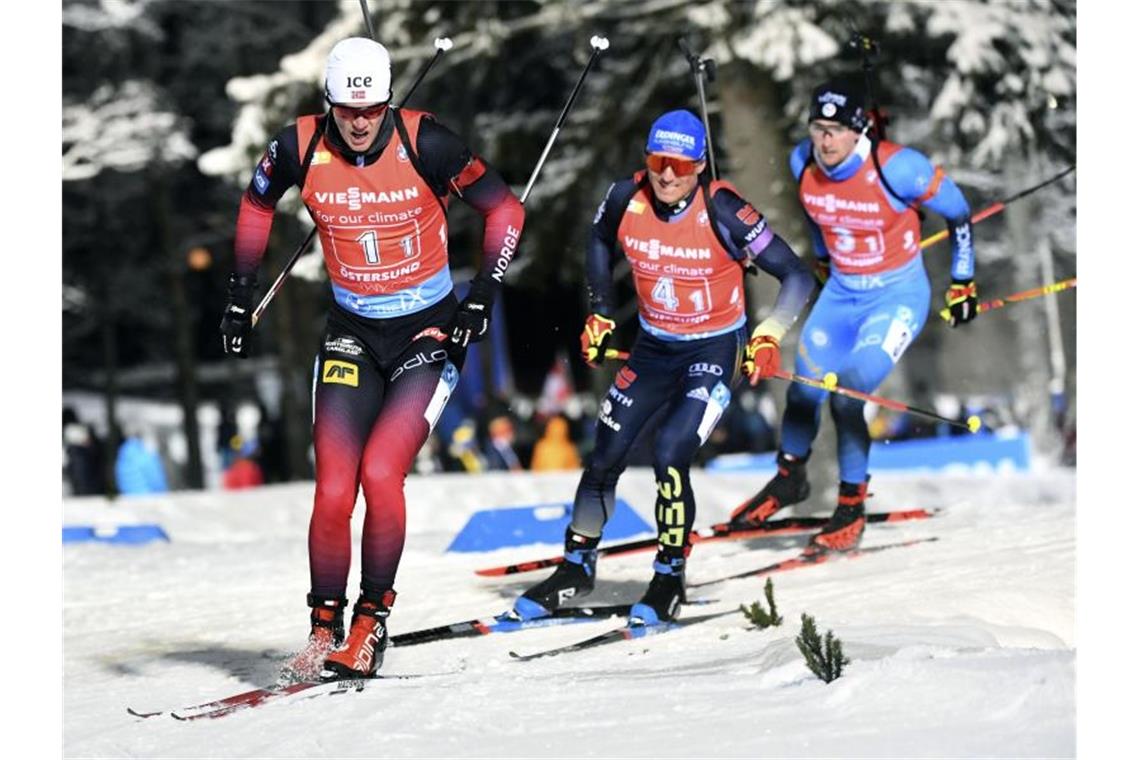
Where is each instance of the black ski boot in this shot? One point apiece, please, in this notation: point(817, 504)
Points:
point(665, 595)
point(572, 579)
point(789, 486)
point(326, 632)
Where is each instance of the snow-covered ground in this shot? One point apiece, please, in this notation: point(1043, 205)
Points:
point(964, 647)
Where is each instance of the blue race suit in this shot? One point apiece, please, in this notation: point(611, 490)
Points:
point(862, 322)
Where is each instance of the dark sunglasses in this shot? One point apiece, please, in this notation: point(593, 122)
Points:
point(682, 167)
point(349, 112)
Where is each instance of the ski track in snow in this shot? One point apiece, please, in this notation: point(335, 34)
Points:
point(961, 647)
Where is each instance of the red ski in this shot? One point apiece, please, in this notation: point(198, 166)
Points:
point(227, 705)
point(814, 558)
point(789, 526)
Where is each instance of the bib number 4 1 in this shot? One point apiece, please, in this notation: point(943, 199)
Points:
point(665, 293)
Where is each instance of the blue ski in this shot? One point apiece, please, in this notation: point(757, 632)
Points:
point(507, 623)
point(625, 633)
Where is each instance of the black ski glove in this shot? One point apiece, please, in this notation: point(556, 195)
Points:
point(961, 302)
point(237, 320)
point(472, 319)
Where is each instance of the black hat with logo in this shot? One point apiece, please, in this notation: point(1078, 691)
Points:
point(841, 100)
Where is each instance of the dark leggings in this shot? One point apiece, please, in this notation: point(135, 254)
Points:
point(377, 391)
point(686, 382)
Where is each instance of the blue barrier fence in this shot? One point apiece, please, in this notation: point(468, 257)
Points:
point(118, 534)
point(999, 451)
point(490, 529)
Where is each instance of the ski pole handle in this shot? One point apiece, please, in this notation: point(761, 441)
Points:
point(613, 353)
point(1024, 295)
point(442, 45)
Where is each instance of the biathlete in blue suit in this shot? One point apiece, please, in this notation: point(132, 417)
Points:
point(861, 197)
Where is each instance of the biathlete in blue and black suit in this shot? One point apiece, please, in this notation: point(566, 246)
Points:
point(861, 197)
point(688, 241)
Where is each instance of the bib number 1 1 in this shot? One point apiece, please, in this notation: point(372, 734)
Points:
point(370, 243)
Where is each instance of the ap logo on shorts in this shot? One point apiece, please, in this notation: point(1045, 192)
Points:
point(340, 373)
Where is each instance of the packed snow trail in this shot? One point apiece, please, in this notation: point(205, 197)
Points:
point(962, 646)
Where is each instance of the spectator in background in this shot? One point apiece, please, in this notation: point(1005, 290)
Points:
point(270, 457)
point(83, 456)
point(227, 430)
point(1069, 452)
point(464, 448)
point(500, 451)
point(555, 450)
point(244, 472)
point(138, 468)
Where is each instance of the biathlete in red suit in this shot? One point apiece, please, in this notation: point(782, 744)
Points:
point(687, 241)
point(377, 182)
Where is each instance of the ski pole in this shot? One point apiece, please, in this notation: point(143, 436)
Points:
point(996, 208)
point(367, 19)
point(276, 286)
point(830, 383)
point(442, 45)
point(1025, 295)
point(700, 69)
point(599, 44)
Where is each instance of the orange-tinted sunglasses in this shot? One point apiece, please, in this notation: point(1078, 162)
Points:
point(682, 167)
point(368, 112)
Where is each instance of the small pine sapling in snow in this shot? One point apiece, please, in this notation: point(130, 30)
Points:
point(824, 658)
point(758, 616)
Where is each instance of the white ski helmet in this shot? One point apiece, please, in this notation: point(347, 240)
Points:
point(359, 72)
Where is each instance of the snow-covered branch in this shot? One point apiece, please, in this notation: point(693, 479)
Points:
point(122, 128)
